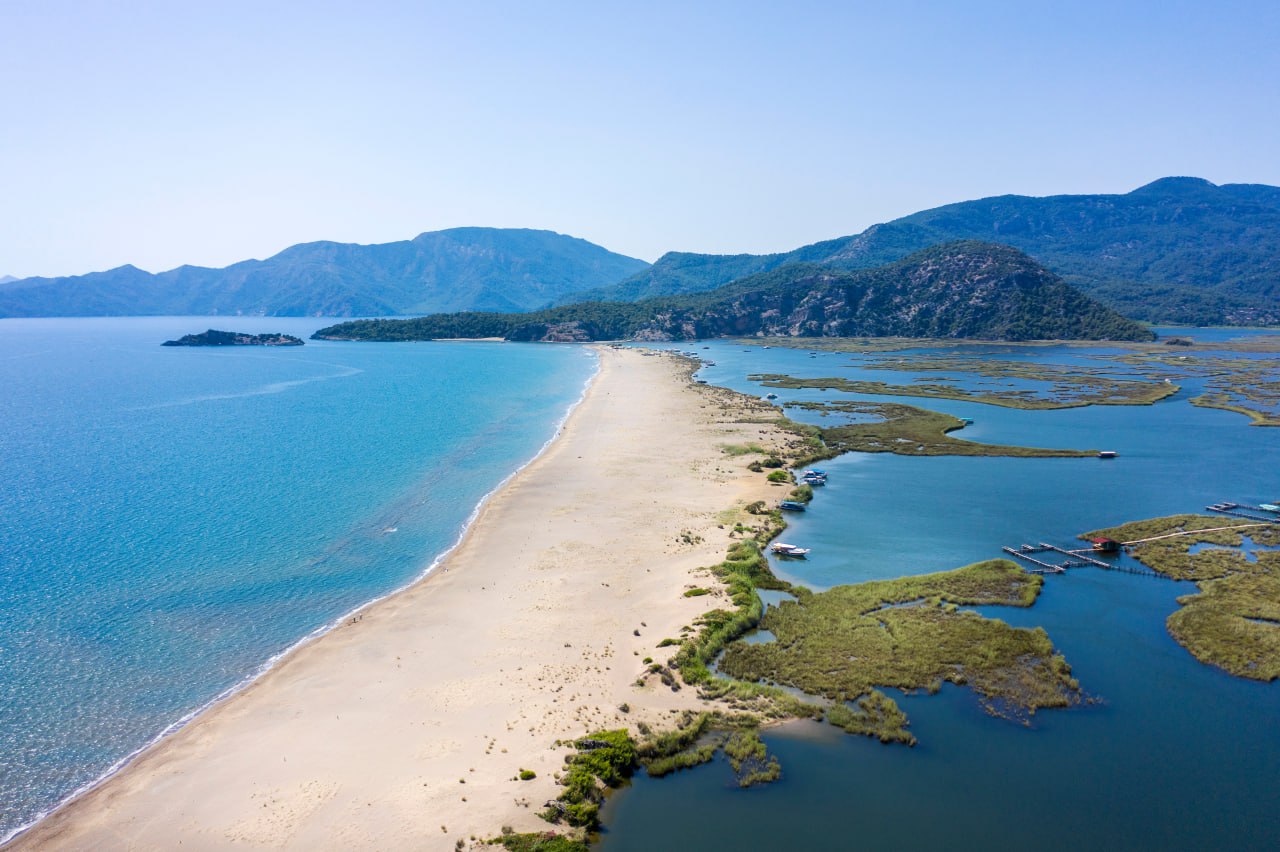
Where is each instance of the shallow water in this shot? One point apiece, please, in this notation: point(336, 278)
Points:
point(1174, 754)
point(174, 517)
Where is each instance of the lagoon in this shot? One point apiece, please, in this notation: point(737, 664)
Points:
point(1168, 754)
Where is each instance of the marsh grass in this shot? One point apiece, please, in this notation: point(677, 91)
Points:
point(910, 431)
point(1073, 388)
point(1234, 621)
point(842, 643)
point(873, 715)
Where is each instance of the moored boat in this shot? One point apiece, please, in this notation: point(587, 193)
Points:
point(783, 549)
point(791, 506)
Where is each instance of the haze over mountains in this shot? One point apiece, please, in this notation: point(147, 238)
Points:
point(964, 289)
point(1177, 250)
point(487, 269)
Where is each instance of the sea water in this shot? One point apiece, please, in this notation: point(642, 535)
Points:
point(1168, 754)
point(172, 519)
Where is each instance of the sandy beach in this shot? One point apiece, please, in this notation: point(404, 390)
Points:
point(406, 727)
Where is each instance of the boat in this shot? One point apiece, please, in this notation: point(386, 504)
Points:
point(1107, 454)
point(791, 506)
point(815, 472)
point(782, 549)
point(771, 396)
point(1269, 507)
point(968, 421)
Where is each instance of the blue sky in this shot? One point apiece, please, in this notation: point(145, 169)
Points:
point(158, 133)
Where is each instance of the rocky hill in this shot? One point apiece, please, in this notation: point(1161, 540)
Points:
point(1176, 250)
point(965, 289)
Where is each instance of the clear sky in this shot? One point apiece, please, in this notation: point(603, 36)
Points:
point(160, 133)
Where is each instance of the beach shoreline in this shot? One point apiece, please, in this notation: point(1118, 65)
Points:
point(270, 664)
point(408, 723)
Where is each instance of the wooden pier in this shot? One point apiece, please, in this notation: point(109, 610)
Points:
point(1243, 510)
point(1074, 559)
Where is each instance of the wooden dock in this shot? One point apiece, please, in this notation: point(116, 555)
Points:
point(1073, 559)
point(1243, 510)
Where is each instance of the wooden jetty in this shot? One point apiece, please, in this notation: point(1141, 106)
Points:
point(1243, 510)
point(1074, 559)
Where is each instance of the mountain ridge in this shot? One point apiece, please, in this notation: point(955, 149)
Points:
point(1178, 249)
point(472, 267)
point(964, 289)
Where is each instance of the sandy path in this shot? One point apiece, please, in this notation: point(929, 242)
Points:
point(363, 738)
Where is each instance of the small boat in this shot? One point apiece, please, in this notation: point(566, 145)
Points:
point(782, 549)
point(815, 472)
point(791, 506)
point(1107, 454)
point(813, 480)
point(701, 381)
point(771, 396)
point(1269, 507)
point(968, 421)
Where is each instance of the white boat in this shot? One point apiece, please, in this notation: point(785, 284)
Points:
point(783, 549)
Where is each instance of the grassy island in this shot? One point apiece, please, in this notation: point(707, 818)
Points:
point(909, 634)
point(911, 431)
point(1066, 390)
point(1234, 620)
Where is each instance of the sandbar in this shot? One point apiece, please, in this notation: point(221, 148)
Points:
point(406, 726)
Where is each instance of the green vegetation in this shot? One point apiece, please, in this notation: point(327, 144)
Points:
point(965, 289)
point(779, 476)
point(877, 715)
point(603, 759)
point(1164, 544)
point(743, 449)
point(802, 493)
point(909, 634)
point(750, 759)
point(1070, 387)
point(910, 431)
point(544, 841)
point(1234, 621)
point(527, 775)
point(1193, 253)
point(696, 592)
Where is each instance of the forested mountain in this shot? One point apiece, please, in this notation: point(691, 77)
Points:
point(1176, 250)
point(965, 289)
point(489, 269)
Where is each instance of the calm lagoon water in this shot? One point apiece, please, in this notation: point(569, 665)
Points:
point(1173, 755)
point(171, 519)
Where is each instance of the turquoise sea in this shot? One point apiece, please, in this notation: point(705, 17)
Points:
point(173, 519)
point(1170, 753)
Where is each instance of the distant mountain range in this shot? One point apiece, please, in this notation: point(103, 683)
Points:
point(964, 289)
point(1177, 250)
point(488, 269)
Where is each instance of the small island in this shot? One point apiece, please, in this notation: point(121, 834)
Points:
point(234, 338)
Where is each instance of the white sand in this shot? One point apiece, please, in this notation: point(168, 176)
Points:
point(362, 739)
